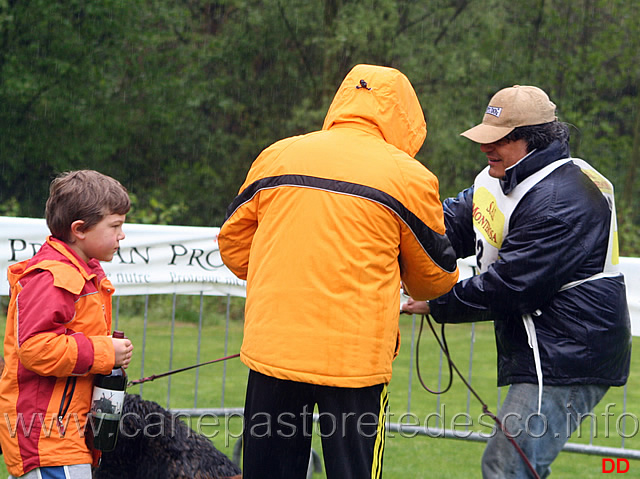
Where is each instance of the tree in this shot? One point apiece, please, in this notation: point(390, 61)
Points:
point(175, 98)
point(52, 55)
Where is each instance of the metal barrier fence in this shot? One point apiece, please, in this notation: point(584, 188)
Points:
point(413, 430)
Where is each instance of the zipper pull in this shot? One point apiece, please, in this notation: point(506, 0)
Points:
point(61, 428)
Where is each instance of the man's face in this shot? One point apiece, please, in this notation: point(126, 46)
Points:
point(502, 154)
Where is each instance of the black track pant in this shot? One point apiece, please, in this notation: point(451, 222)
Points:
point(278, 429)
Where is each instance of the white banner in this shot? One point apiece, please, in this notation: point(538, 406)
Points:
point(153, 259)
point(156, 259)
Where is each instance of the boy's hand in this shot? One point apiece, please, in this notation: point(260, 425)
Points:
point(124, 349)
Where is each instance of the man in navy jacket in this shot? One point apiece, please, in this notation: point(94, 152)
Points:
point(543, 229)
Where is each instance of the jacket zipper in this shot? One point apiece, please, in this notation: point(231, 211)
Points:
point(62, 411)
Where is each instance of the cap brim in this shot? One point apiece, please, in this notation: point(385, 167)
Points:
point(484, 134)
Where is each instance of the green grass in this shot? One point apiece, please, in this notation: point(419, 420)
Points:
point(419, 456)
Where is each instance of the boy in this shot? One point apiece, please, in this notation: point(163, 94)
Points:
point(58, 330)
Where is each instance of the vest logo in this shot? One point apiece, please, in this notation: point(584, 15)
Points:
point(600, 181)
point(493, 110)
point(491, 210)
point(487, 217)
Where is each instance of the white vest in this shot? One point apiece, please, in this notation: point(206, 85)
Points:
point(492, 210)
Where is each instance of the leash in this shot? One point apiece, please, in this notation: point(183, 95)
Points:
point(156, 376)
point(452, 367)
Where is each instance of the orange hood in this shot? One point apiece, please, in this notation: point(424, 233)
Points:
point(382, 99)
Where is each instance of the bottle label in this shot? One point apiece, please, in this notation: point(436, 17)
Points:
point(107, 402)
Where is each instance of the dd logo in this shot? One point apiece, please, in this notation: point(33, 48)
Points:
point(619, 466)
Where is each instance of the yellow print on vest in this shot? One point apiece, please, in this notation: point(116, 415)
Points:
point(487, 217)
point(601, 182)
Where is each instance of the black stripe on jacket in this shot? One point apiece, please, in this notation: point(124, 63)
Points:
point(435, 245)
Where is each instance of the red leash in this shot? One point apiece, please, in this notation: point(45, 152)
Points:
point(485, 408)
point(156, 376)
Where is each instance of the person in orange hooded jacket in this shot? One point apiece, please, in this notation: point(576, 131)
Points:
point(325, 229)
point(57, 331)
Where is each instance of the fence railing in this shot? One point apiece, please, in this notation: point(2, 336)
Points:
point(627, 424)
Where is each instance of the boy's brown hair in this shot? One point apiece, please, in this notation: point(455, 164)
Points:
point(85, 195)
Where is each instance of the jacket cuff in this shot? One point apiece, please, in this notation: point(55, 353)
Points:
point(84, 358)
point(104, 355)
point(448, 309)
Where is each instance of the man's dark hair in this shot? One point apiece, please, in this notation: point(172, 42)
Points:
point(540, 136)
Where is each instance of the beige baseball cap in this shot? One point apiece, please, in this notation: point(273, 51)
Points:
point(509, 108)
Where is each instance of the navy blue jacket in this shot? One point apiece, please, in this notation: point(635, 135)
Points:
point(558, 233)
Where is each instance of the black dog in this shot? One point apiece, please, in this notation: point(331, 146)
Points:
point(154, 443)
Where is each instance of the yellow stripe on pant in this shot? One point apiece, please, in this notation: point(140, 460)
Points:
point(378, 451)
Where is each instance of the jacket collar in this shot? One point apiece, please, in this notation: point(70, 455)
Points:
point(533, 162)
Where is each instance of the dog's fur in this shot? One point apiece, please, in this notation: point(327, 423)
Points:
point(153, 443)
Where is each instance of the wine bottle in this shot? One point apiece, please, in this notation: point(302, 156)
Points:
point(106, 406)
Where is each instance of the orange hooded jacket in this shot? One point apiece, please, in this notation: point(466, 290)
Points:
point(325, 228)
point(56, 339)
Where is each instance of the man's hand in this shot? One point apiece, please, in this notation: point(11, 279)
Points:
point(415, 307)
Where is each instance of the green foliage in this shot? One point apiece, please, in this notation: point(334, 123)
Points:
point(53, 57)
point(628, 233)
point(175, 98)
point(154, 211)
point(10, 207)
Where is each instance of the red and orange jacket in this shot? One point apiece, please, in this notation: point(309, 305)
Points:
point(325, 228)
point(56, 339)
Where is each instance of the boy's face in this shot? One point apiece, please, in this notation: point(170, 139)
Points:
point(101, 241)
